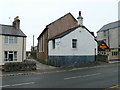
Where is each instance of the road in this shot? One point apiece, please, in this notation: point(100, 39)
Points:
point(99, 77)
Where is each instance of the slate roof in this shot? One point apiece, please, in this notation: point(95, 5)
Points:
point(110, 26)
point(70, 30)
point(10, 30)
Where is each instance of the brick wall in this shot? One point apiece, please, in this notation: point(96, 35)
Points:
point(61, 25)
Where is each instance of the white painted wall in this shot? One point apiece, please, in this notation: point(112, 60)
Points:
point(12, 47)
point(85, 44)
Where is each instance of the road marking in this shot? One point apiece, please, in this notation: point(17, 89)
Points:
point(81, 76)
point(18, 84)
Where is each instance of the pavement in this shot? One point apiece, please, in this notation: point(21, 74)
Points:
point(41, 66)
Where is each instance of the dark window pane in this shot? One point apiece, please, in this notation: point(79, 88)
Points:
point(74, 43)
point(53, 44)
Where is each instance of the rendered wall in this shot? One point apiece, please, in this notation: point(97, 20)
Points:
point(21, 53)
point(64, 52)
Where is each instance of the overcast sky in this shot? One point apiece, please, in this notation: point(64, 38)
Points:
point(36, 14)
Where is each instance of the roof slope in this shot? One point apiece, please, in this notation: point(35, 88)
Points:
point(110, 26)
point(60, 25)
point(61, 18)
point(70, 30)
point(10, 30)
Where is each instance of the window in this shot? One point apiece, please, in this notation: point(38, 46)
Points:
point(53, 43)
point(104, 33)
point(10, 40)
point(10, 56)
point(41, 44)
point(114, 53)
point(15, 56)
point(6, 39)
point(74, 43)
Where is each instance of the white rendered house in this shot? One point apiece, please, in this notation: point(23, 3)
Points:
point(74, 46)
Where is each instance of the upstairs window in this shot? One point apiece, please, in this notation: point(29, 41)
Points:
point(41, 43)
point(74, 43)
point(10, 40)
point(104, 33)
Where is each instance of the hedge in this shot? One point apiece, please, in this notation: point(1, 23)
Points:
point(19, 66)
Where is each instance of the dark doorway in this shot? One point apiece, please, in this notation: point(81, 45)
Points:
point(10, 57)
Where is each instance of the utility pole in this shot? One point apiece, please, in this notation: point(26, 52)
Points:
point(33, 42)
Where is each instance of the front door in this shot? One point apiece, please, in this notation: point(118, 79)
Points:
point(10, 56)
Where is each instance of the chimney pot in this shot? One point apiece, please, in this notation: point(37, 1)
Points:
point(80, 19)
point(79, 13)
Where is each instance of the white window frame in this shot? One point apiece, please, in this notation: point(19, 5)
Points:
point(10, 40)
point(74, 41)
point(6, 59)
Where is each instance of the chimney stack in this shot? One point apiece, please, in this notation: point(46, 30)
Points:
point(16, 23)
point(80, 19)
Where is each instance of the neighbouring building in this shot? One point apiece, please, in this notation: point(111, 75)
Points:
point(110, 34)
point(103, 49)
point(60, 25)
point(74, 46)
point(13, 43)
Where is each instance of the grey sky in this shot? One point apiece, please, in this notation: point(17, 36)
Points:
point(36, 14)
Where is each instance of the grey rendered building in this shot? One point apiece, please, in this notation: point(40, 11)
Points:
point(110, 34)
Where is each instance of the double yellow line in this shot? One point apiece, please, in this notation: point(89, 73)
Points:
point(117, 87)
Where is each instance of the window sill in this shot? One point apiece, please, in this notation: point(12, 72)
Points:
point(74, 49)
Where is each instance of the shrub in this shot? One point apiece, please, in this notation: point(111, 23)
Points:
point(33, 55)
point(20, 66)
